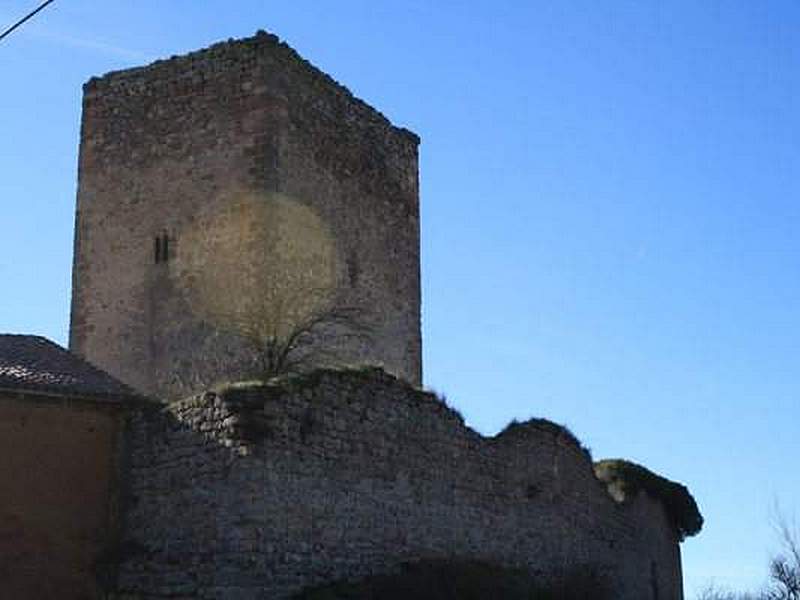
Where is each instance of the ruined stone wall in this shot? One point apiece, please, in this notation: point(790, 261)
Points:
point(170, 150)
point(58, 460)
point(257, 492)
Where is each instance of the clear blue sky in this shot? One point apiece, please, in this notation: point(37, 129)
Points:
point(610, 212)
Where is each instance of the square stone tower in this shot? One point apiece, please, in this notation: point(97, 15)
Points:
point(232, 187)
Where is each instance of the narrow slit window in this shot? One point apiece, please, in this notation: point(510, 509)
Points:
point(161, 248)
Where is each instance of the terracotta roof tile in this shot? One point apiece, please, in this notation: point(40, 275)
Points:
point(34, 363)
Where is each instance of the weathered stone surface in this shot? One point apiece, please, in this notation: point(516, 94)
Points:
point(257, 492)
point(168, 149)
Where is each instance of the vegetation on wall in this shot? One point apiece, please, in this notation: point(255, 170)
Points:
point(562, 432)
point(265, 268)
point(256, 390)
point(626, 479)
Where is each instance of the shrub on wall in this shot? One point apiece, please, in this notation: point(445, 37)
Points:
point(626, 479)
point(516, 427)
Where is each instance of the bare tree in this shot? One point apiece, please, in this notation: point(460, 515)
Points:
point(714, 592)
point(266, 268)
point(285, 346)
point(784, 568)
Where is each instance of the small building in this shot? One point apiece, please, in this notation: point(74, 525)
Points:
point(60, 430)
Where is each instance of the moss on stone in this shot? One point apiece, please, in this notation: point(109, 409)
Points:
point(312, 378)
point(625, 480)
point(563, 432)
point(248, 399)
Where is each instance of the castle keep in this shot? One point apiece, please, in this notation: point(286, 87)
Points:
point(234, 189)
point(229, 186)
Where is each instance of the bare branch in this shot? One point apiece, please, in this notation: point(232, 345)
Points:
point(785, 566)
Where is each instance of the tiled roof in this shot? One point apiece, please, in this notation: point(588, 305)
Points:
point(33, 363)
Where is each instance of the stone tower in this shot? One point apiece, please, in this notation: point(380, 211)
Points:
point(232, 176)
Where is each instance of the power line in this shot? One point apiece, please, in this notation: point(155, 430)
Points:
point(30, 15)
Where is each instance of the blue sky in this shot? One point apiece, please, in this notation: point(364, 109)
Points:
point(610, 212)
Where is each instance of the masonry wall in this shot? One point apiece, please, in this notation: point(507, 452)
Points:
point(259, 492)
point(167, 149)
point(57, 504)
